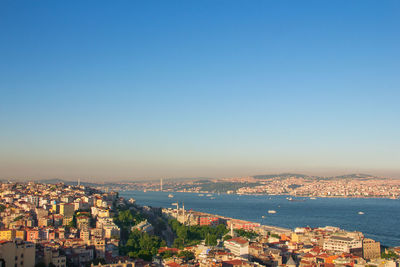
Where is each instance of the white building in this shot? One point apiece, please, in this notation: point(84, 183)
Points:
point(341, 244)
point(238, 246)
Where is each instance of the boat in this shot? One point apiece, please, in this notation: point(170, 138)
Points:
point(271, 211)
point(209, 195)
point(170, 195)
point(313, 198)
point(360, 213)
point(200, 195)
point(263, 217)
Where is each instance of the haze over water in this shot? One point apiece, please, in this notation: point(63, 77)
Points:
point(380, 219)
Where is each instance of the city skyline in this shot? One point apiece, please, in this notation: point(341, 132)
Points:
point(155, 89)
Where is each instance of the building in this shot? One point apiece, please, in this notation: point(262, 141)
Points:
point(7, 234)
point(208, 220)
point(67, 209)
point(17, 254)
point(238, 246)
point(32, 235)
point(144, 226)
point(240, 224)
point(371, 249)
point(341, 244)
point(53, 257)
point(119, 264)
point(84, 234)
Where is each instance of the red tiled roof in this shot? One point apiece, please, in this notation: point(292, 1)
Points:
point(161, 250)
point(233, 262)
point(238, 240)
point(173, 264)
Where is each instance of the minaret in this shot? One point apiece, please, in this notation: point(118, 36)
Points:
point(79, 181)
point(231, 228)
point(183, 210)
point(161, 185)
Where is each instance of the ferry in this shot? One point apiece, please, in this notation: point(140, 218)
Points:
point(170, 195)
point(272, 211)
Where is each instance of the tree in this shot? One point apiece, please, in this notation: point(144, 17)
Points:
point(248, 234)
point(167, 254)
point(389, 255)
point(178, 243)
point(227, 237)
point(182, 233)
point(141, 245)
point(186, 255)
point(211, 240)
point(192, 235)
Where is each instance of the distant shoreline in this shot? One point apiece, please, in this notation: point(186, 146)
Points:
point(288, 195)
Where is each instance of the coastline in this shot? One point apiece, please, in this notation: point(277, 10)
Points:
point(340, 212)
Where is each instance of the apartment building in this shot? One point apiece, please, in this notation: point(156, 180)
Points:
point(371, 249)
point(17, 254)
point(341, 244)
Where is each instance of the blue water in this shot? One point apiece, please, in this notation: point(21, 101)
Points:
point(379, 222)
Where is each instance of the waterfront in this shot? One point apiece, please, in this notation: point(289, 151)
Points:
point(379, 221)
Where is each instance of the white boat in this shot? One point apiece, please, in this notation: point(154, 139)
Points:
point(360, 213)
point(209, 195)
point(200, 195)
point(313, 198)
point(170, 195)
point(271, 211)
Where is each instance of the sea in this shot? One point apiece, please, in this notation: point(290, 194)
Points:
point(380, 219)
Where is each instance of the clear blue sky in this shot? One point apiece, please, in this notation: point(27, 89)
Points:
point(148, 89)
